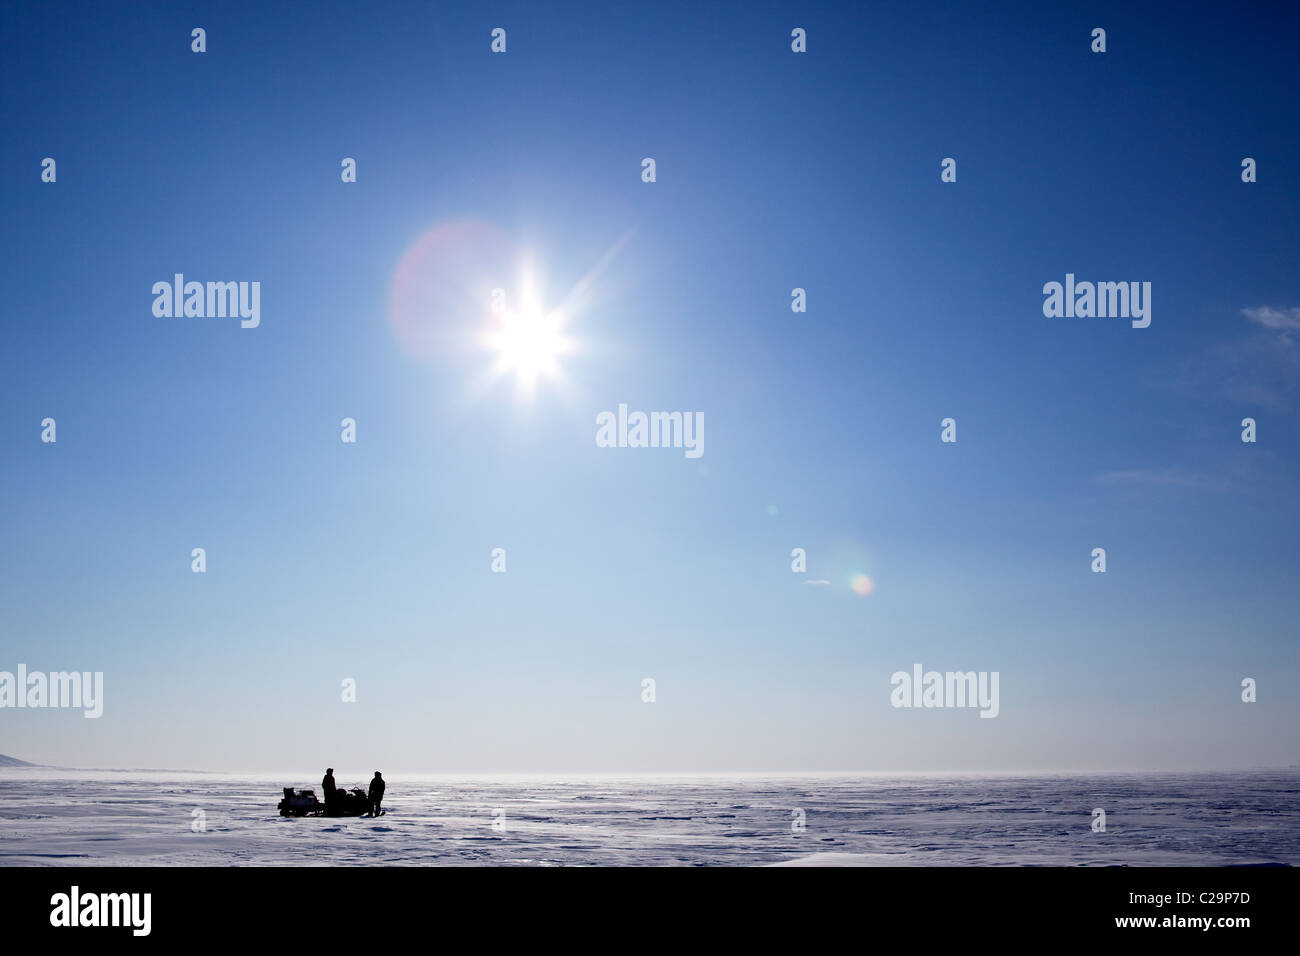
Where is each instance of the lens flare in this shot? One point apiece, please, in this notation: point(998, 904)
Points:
point(862, 585)
point(442, 286)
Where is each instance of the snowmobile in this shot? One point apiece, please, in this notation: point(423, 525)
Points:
point(303, 803)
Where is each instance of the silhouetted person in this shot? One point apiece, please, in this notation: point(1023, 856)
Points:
point(376, 793)
point(327, 784)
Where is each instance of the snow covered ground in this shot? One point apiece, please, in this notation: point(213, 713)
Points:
point(62, 818)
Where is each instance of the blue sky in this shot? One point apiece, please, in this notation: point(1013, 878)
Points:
point(775, 170)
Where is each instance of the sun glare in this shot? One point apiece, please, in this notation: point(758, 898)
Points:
point(529, 345)
point(527, 338)
point(449, 303)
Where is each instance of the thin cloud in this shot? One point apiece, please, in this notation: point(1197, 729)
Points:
point(1271, 318)
point(1259, 368)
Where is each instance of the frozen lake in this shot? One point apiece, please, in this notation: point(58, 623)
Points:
point(146, 817)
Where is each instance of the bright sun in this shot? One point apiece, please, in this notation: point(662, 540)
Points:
point(529, 345)
point(526, 339)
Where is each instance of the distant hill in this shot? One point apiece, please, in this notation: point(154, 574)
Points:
point(14, 762)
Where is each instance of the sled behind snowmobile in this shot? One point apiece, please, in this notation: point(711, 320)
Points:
point(303, 803)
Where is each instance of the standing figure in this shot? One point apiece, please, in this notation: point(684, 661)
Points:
point(376, 793)
point(327, 784)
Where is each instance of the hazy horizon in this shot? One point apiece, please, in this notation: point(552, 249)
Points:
point(300, 774)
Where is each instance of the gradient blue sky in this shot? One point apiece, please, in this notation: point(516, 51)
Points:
point(775, 170)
